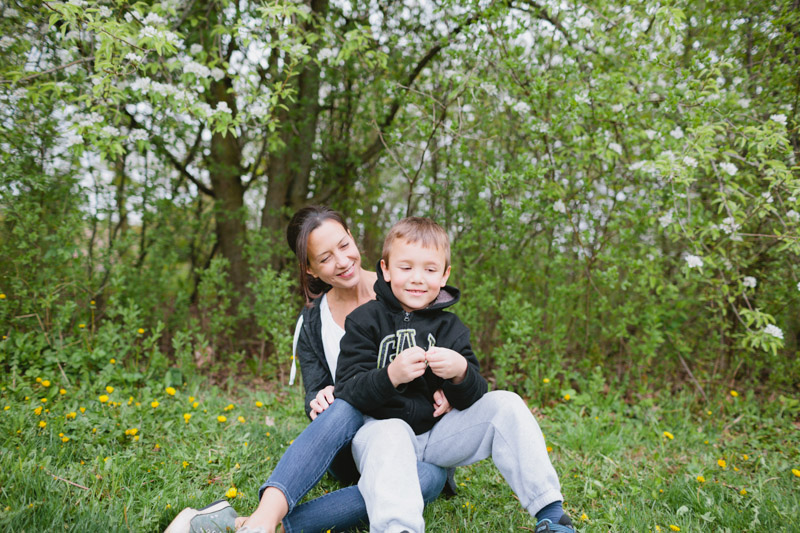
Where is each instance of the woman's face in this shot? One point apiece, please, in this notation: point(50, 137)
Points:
point(333, 256)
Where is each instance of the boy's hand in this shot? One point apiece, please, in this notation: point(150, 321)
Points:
point(323, 400)
point(407, 366)
point(447, 364)
point(442, 406)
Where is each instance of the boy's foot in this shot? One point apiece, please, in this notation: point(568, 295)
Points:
point(218, 517)
point(564, 526)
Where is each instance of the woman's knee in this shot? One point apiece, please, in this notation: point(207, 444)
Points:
point(340, 415)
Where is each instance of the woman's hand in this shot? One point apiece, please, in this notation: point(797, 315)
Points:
point(442, 406)
point(323, 400)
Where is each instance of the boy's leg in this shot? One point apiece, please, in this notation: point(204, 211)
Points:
point(500, 426)
point(385, 455)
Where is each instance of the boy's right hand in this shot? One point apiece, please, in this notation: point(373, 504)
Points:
point(407, 366)
point(323, 400)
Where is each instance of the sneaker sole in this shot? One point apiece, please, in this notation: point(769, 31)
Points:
point(183, 522)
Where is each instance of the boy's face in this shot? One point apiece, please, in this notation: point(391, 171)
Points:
point(415, 274)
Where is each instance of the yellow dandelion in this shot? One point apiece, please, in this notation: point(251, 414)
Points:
point(140, 331)
point(42, 424)
point(584, 517)
point(734, 393)
point(673, 527)
point(6, 408)
point(64, 439)
point(109, 389)
point(43, 400)
point(37, 411)
point(743, 492)
point(91, 302)
point(222, 418)
point(38, 380)
point(745, 457)
point(187, 417)
point(82, 409)
point(81, 326)
point(228, 407)
point(259, 404)
point(45, 383)
point(566, 397)
point(705, 442)
point(154, 404)
point(231, 492)
point(2, 296)
point(71, 415)
point(546, 380)
point(796, 472)
point(112, 361)
point(94, 430)
point(735, 469)
point(191, 399)
point(170, 391)
point(669, 435)
point(708, 413)
point(267, 433)
point(240, 419)
point(136, 438)
point(103, 398)
point(169, 506)
point(195, 404)
point(722, 463)
point(62, 392)
point(701, 479)
point(185, 464)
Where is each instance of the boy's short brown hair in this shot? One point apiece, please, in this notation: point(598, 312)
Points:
point(418, 229)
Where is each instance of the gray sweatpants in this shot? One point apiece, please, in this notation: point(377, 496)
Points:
point(499, 425)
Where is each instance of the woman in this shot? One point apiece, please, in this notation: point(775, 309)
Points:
point(334, 283)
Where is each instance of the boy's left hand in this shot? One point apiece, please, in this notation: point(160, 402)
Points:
point(447, 364)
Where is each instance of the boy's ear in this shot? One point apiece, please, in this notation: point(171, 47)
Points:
point(385, 270)
point(446, 275)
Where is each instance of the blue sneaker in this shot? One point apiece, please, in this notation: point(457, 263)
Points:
point(219, 517)
point(564, 526)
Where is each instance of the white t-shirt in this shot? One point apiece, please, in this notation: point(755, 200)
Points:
point(331, 335)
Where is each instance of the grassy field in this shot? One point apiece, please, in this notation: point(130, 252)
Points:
point(102, 458)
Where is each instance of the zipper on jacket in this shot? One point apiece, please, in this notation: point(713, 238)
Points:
point(406, 316)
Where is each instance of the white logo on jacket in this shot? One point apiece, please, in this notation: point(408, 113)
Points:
point(393, 344)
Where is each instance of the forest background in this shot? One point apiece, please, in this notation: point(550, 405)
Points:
point(619, 181)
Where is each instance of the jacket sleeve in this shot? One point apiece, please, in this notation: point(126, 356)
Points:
point(359, 381)
point(316, 374)
point(474, 386)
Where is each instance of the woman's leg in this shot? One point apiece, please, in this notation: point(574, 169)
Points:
point(345, 509)
point(305, 462)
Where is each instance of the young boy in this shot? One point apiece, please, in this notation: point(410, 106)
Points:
point(397, 352)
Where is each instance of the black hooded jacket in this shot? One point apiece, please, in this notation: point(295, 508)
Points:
point(378, 331)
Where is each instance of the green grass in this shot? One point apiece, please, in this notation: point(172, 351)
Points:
point(618, 469)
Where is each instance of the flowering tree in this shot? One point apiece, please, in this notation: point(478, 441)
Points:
point(620, 181)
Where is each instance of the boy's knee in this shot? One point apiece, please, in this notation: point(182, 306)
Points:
point(504, 401)
point(388, 434)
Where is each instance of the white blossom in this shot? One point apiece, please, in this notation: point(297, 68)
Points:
point(775, 331)
point(750, 282)
point(222, 107)
point(616, 108)
point(203, 109)
point(584, 22)
point(780, 119)
point(104, 11)
point(744, 103)
point(138, 135)
point(729, 225)
point(199, 70)
point(791, 199)
point(522, 108)
point(6, 42)
point(729, 168)
point(72, 138)
point(614, 147)
point(10, 12)
point(582, 97)
point(677, 133)
point(559, 207)
point(195, 49)
point(128, 17)
point(77, 3)
point(767, 197)
point(217, 73)
point(258, 109)
point(690, 161)
point(86, 121)
point(110, 131)
point(694, 261)
point(325, 53)
point(793, 215)
point(133, 57)
point(141, 84)
point(490, 89)
point(154, 19)
point(798, 287)
point(651, 134)
point(556, 60)
point(666, 219)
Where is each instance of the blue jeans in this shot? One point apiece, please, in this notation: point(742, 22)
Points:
point(305, 462)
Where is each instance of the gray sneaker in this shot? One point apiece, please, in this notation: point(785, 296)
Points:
point(219, 517)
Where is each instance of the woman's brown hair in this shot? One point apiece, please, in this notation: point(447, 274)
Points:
point(300, 227)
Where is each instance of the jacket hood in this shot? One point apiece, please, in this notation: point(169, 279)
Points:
point(448, 295)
